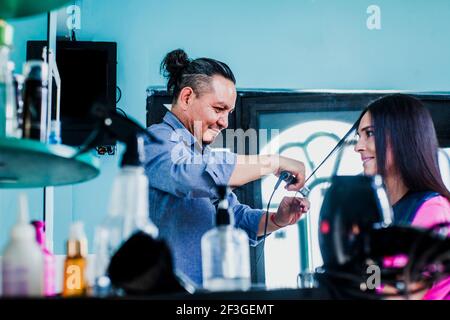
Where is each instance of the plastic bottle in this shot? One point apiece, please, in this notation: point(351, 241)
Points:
point(23, 261)
point(12, 122)
point(74, 277)
point(128, 212)
point(225, 252)
point(18, 82)
point(35, 100)
point(55, 132)
point(49, 259)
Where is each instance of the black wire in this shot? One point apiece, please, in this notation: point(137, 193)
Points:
point(73, 36)
point(123, 112)
point(120, 94)
point(336, 147)
point(88, 141)
point(265, 226)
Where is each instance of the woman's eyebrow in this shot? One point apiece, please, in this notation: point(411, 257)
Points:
point(366, 128)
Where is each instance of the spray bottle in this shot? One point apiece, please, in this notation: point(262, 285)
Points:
point(23, 261)
point(128, 212)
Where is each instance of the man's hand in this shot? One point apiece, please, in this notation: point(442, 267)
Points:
point(294, 167)
point(290, 210)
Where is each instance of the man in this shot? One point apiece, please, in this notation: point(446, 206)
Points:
point(183, 171)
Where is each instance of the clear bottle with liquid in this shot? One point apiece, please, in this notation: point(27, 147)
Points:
point(225, 252)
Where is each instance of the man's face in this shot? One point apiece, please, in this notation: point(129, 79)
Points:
point(208, 112)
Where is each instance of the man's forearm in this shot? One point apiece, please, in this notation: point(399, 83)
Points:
point(271, 227)
point(253, 167)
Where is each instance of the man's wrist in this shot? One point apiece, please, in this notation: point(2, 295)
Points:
point(274, 163)
point(272, 218)
point(269, 164)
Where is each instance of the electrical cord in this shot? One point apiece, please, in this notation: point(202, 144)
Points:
point(122, 112)
point(266, 224)
point(120, 94)
point(288, 178)
point(73, 35)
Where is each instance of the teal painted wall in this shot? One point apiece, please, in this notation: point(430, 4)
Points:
point(269, 44)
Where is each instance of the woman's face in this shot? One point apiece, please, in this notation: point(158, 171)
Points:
point(366, 148)
point(366, 145)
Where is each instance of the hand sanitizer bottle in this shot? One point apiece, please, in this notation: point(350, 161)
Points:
point(225, 252)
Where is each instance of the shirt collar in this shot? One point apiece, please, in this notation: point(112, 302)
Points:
point(179, 128)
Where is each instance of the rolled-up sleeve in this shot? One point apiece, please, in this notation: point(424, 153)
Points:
point(247, 219)
point(220, 165)
point(176, 168)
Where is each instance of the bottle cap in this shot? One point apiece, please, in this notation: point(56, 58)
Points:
point(39, 229)
point(6, 34)
point(134, 154)
point(55, 132)
point(77, 243)
point(36, 70)
point(23, 229)
point(223, 216)
point(222, 191)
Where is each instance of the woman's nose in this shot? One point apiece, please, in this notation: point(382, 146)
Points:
point(359, 146)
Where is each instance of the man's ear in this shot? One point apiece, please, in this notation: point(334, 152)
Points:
point(185, 97)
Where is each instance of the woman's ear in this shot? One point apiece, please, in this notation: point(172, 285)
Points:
point(185, 97)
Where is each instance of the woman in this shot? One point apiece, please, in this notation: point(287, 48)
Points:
point(397, 140)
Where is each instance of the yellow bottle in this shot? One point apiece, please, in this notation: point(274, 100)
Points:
point(74, 278)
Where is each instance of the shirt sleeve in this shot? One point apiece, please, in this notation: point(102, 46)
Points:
point(432, 212)
point(176, 168)
point(247, 219)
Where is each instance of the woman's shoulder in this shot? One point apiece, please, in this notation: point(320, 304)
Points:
point(433, 211)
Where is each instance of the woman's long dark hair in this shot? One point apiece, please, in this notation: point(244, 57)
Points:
point(406, 124)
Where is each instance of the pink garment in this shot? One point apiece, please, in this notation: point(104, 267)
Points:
point(432, 212)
